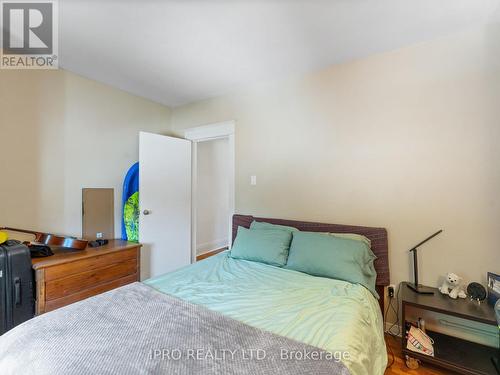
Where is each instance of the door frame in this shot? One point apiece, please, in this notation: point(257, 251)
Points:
point(209, 132)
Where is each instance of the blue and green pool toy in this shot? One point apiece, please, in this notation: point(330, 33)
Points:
point(130, 202)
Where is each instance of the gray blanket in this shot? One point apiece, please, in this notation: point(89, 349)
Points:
point(137, 330)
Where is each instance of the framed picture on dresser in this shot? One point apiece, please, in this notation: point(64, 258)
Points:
point(493, 281)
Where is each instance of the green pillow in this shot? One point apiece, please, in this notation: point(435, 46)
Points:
point(266, 226)
point(265, 246)
point(321, 254)
point(353, 236)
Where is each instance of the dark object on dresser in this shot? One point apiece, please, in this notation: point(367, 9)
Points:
point(98, 243)
point(40, 251)
point(416, 287)
point(17, 302)
point(450, 352)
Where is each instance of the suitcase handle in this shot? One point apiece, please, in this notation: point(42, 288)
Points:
point(17, 291)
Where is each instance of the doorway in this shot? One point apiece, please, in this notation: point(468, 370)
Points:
point(212, 187)
point(212, 211)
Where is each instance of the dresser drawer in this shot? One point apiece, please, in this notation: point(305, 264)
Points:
point(89, 264)
point(84, 280)
point(93, 291)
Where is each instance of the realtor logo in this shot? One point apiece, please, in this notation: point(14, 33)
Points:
point(29, 35)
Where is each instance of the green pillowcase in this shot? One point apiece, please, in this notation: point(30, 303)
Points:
point(261, 225)
point(264, 225)
point(325, 255)
point(353, 236)
point(266, 246)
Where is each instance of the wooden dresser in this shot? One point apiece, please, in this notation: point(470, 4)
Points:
point(69, 276)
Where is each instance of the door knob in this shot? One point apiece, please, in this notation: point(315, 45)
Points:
point(146, 212)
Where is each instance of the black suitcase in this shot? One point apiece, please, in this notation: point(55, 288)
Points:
point(17, 302)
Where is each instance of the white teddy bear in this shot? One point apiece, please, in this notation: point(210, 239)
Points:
point(452, 285)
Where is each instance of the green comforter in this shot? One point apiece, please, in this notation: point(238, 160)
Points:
point(333, 315)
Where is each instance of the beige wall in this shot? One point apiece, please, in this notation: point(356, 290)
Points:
point(407, 140)
point(59, 133)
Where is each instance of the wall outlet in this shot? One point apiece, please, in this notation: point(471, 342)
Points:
point(98, 235)
point(390, 290)
point(253, 180)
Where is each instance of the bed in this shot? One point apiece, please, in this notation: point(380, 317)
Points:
point(220, 315)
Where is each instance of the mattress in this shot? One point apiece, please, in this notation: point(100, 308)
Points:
point(334, 315)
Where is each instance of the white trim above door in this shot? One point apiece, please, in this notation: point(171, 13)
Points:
point(211, 131)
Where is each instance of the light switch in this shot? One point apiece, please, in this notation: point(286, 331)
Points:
point(253, 180)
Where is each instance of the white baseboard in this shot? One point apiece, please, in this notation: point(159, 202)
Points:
point(210, 246)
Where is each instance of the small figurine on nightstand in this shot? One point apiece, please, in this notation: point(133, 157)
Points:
point(452, 285)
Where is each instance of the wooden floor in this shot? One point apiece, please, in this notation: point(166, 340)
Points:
point(399, 366)
point(209, 254)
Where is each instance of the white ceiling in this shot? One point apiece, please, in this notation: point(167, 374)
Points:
point(175, 52)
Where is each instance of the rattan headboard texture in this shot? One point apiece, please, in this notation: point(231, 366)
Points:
point(377, 236)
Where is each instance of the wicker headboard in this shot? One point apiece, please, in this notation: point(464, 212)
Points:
point(377, 236)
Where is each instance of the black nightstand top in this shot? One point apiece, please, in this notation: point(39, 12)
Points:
point(463, 308)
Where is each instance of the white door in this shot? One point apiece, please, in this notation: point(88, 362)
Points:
point(165, 203)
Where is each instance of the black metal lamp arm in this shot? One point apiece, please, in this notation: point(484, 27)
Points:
point(415, 286)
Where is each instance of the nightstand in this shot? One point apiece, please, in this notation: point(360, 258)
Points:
point(69, 276)
point(450, 352)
